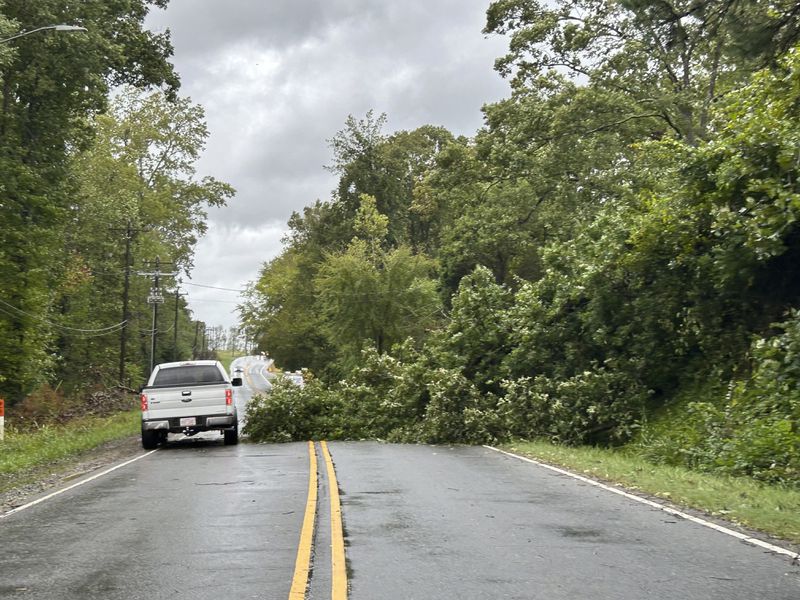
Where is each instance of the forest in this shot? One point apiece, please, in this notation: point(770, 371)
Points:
point(612, 259)
point(97, 154)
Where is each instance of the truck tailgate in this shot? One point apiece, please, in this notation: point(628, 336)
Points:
point(197, 400)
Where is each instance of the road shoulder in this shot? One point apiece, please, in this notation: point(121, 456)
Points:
point(20, 488)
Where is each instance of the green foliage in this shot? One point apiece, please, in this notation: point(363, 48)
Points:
point(290, 412)
point(351, 270)
point(280, 306)
point(475, 339)
point(456, 411)
point(367, 293)
point(383, 398)
point(752, 171)
point(388, 168)
point(671, 58)
point(383, 301)
point(53, 85)
point(598, 406)
point(43, 448)
point(623, 226)
point(141, 171)
point(136, 180)
point(750, 429)
point(372, 402)
point(496, 231)
point(368, 410)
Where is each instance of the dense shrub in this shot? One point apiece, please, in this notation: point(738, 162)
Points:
point(476, 336)
point(290, 412)
point(651, 271)
point(762, 436)
point(457, 411)
point(369, 408)
point(591, 407)
point(383, 399)
point(47, 406)
point(753, 428)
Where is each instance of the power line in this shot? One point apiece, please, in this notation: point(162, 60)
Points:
point(201, 285)
point(92, 335)
point(214, 287)
point(158, 330)
point(155, 298)
point(63, 327)
point(216, 301)
point(83, 335)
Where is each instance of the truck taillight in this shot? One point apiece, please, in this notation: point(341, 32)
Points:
point(228, 397)
point(143, 398)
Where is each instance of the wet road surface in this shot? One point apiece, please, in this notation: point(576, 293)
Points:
point(201, 520)
point(469, 523)
point(194, 520)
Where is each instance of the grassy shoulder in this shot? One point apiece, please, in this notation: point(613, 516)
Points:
point(772, 509)
point(226, 357)
point(22, 453)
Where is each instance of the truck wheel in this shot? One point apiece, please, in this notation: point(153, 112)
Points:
point(149, 439)
point(231, 436)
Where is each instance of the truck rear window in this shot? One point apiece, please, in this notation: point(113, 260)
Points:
point(189, 375)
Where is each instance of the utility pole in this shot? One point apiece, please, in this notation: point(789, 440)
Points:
point(126, 314)
point(175, 327)
point(155, 298)
point(175, 356)
point(129, 232)
point(194, 344)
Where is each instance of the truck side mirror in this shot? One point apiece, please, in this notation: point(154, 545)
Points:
point(236, 381)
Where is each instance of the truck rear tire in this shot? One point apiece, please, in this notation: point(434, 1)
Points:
point(149, 439)
point(231, 436)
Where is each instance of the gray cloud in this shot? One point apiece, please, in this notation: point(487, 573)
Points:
point(278, 78)
point(202, 27)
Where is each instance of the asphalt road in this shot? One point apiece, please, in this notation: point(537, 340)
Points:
point(201, 520)
point(469, 523)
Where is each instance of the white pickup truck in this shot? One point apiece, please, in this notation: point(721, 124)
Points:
point(189, 397)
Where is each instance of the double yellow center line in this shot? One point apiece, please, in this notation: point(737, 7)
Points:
point(302, 566)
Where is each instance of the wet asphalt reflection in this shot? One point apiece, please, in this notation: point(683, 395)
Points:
point(200, 520)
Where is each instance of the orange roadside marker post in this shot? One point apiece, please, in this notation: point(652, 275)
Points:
point(2, 418)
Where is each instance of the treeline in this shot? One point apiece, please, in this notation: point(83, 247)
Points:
point(616, 249)
point(97, 186)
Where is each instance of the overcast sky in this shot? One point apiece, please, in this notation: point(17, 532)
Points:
point(278, 78)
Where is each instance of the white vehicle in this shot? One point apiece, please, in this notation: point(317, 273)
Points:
point(296, 377)
point(189, 397)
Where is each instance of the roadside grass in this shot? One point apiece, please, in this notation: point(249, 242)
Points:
point(22, 452)
point(768, 508)
point(226, 357)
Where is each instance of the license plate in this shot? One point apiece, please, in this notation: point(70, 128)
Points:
point(188, 421)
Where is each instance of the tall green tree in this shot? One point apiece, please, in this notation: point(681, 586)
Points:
point(671, 58)
point(138, 197)
point(51, 84)
point(368, 293)
point(281, 307)
point(388, 168)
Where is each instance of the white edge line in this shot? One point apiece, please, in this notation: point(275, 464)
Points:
point(74, 485)
point(666, 509)
point(263, 374)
